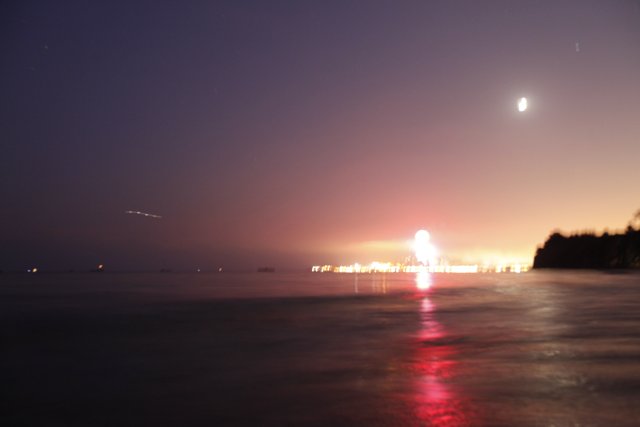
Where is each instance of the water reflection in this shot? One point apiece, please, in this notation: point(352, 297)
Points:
point(355, 283)
point(377, 282)
point(437, 402)
point(423, 280)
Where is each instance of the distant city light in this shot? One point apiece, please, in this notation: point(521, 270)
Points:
point(426, 263)
point(388, 267)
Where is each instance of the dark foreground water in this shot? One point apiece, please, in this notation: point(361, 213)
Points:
point(536, 349)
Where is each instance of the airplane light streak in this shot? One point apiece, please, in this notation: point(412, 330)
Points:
point(143, 214)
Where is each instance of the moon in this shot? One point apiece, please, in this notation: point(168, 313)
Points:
point(522, 104)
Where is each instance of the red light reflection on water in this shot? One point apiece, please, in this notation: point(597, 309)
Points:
point(436, 400)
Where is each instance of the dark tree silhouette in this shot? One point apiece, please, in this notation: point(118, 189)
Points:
point(635, 221)
point(587, 250)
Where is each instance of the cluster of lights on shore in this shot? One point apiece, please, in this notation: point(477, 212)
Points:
point(426, 256)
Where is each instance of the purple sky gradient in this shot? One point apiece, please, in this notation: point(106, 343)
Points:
point(293, 133)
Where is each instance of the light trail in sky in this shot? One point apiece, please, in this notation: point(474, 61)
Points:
point(143, 214)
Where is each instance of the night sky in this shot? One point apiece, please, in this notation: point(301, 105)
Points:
point(306, 132)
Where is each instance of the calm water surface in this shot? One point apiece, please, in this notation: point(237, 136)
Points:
point(535, 349)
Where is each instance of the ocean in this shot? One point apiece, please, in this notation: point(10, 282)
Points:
point(543, 348)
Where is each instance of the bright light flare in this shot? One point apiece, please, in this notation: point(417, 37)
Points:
point(424, 250)
point(523, 104)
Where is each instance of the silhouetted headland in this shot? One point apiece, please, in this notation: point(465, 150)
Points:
point(587, 250)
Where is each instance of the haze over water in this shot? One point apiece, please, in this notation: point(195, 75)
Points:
point(541, 348)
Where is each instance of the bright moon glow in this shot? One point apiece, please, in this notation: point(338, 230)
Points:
point(522, 104)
